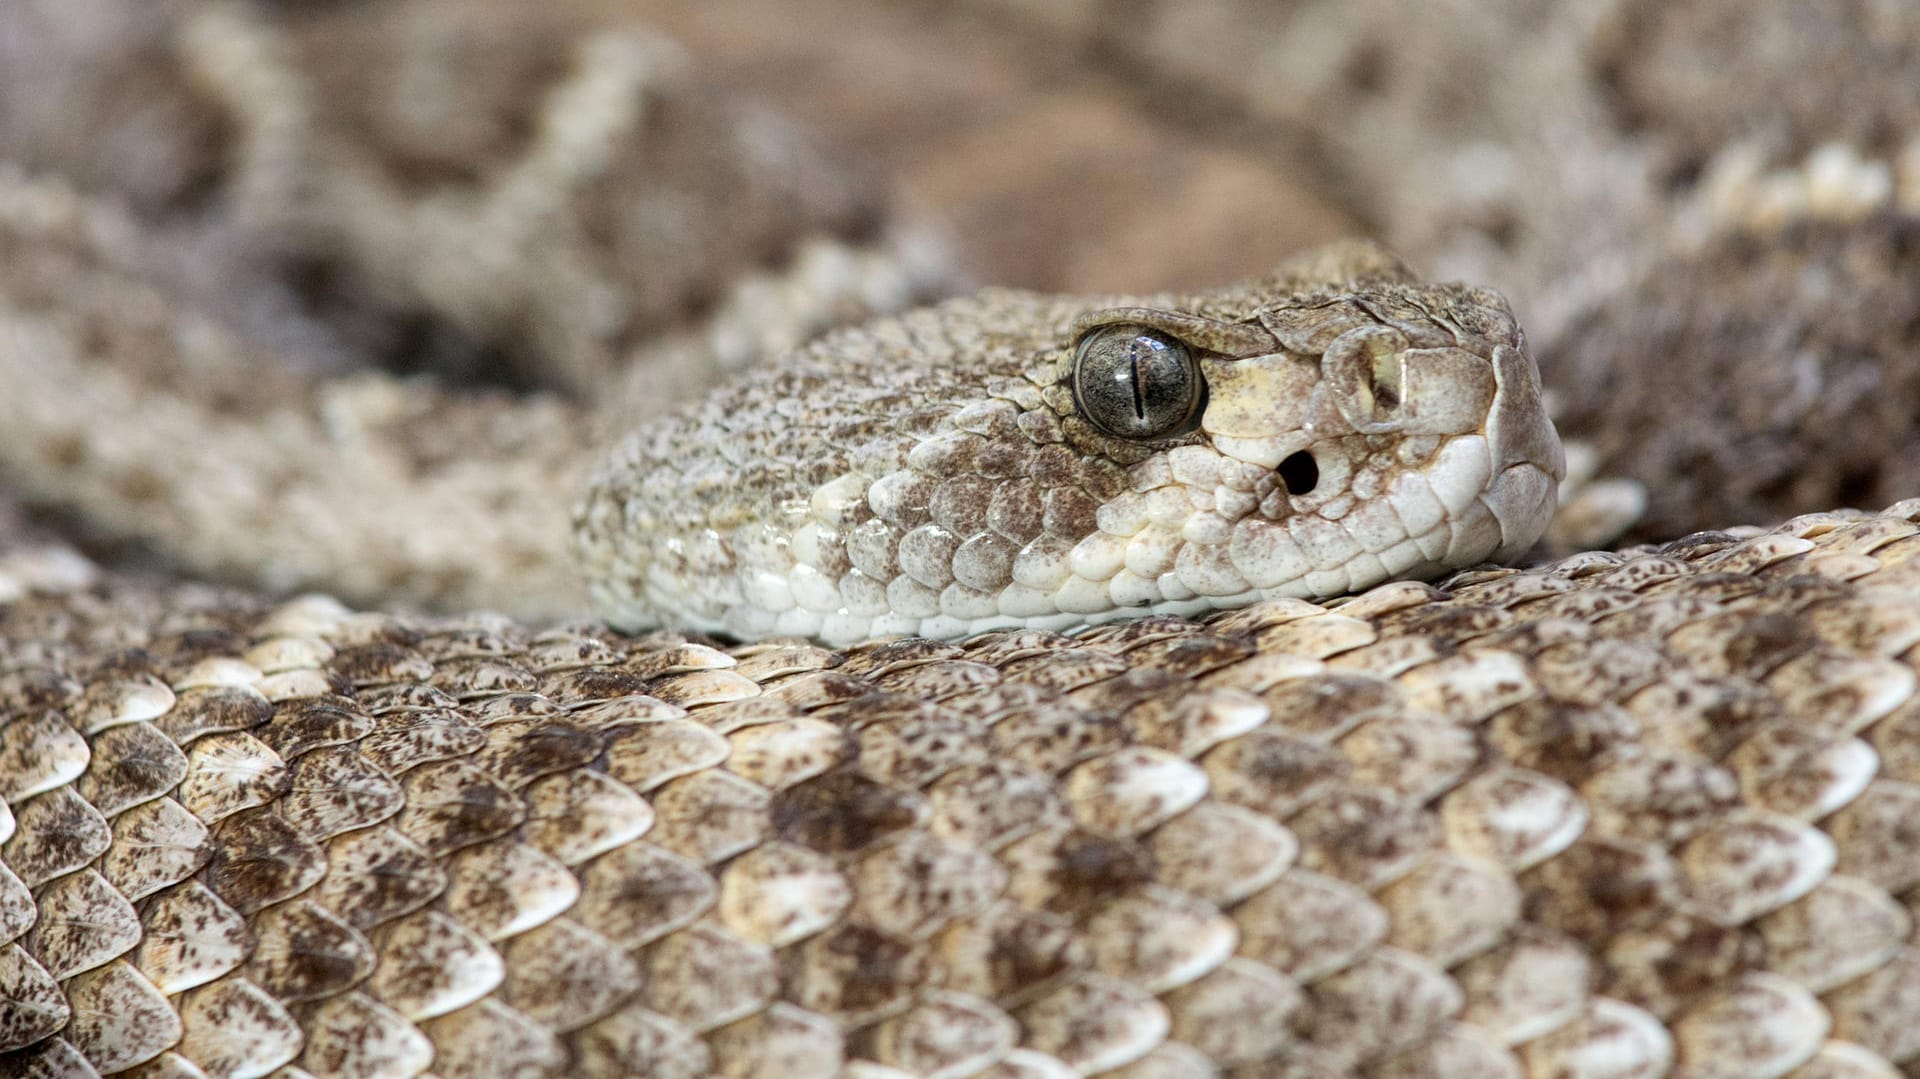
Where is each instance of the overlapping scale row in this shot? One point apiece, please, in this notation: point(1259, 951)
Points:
point(1639, 815)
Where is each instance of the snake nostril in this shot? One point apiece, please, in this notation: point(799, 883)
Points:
point(1300, 472)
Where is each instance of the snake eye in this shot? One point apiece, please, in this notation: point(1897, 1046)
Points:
point(1133, 382)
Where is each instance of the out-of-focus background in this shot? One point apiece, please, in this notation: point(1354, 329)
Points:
point(1707, 213)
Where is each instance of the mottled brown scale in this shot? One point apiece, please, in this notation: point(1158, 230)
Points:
point(54, 835)
point(1054, 737)
point(156, 844)
point(213, 711)
point(334, 791)
point(383, 663)
point(853, 971)
point(453, 804)
point(565, 976)
point(1070, 871)
point(37, 687)
point(259, 859)
point(909, 743)
point(403, 741)
point(1563, 740)
point(1410, 758)
point(844, 812)
point(302, 951)
point(316, 723)
point(1271, 771)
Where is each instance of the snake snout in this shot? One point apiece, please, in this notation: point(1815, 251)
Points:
point(1528, 460)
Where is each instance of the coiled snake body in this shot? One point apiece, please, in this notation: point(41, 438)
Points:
point(1629, 814)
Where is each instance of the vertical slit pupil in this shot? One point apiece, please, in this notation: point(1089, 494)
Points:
point(1139, 387)
point(1300, 473)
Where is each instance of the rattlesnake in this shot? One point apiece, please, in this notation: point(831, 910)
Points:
point(1630, 813)
point(1020, 461)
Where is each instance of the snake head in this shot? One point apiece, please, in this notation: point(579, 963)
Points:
point(1342, 439)
point(1015, 460)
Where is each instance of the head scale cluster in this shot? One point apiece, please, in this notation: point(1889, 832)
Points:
point(1020, 460)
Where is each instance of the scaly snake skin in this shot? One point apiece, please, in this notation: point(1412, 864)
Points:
point(1635, 814)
